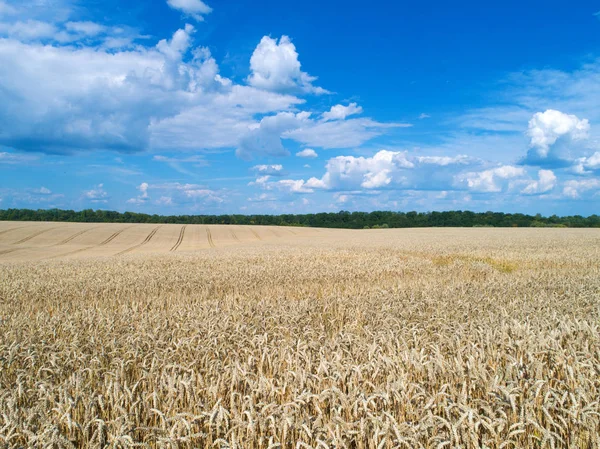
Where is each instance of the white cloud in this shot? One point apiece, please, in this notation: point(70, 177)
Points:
point(424, 116)
point(491, 180)
point(143, 188)
point(583, 165)
point(67, 98)
point(265, 139)
point(28, 30)
point(97, 194)
point(75, 98)
point(575, 188)
point(271, 170)
point(545, 183)
point(385, 169)
point(185, 193)
point(545, 128)
point(165, 201)
point(296, 186)
point(195, 8)
point(340, 112)
point(274, 66)
point(307, 153)
point(339, 133)
point(44, 191)
point(86, 28)
point(369, 173)
point(444, 160)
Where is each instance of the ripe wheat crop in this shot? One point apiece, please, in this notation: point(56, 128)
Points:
point(433, 338)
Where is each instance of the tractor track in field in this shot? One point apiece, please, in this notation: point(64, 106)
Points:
point(26, 239)
point(80, 250)
point(11, 229)
point(113, 236)
point(146, 240)
point(8, 251)
point(274, 232)
point(179, 240)
point(74, 236)
point(258, 237)
point(210, 239)
point(233, 236)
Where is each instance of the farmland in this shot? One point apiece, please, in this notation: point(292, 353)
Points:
point(173, 336)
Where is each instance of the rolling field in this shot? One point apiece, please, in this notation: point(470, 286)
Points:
point(171, 336)
point(44, 241)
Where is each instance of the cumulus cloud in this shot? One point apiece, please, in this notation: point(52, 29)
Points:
point(271, 170)
point(266, 138)
point(575, 188)
point(164, 201)
point(97, 194)
point(369, 173)
point(588, 164)
point(62, 99)
point(194, 8)
point(340, 112)
point(307, 153)
point(28, 30)
point(143, 197)
point(545, 183)
point(393, 169)
point(187, 193)
point(274, 65)
point(491, 180)
point(546, 128)
point(79, 96)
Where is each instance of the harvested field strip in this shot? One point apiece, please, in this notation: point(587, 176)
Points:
point(74, 236)
point(179, 240)
point(146, 240)
point(210, 239)
point(26, 239)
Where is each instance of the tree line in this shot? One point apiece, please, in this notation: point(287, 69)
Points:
point(342, 219)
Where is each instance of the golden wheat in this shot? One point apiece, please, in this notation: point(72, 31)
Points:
point(436, 338)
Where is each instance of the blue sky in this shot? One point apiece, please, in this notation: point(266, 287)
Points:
point(185, 106)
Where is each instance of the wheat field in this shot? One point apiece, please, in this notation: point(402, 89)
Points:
point(122, 336)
